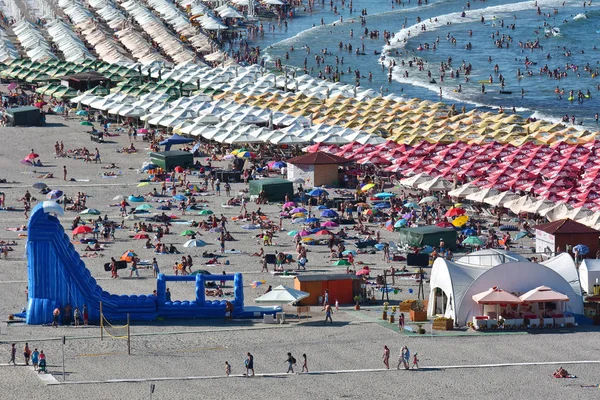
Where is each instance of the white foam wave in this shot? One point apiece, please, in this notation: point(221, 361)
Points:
point(471, 16)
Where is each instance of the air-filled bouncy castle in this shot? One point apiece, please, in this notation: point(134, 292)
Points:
point(58, 276)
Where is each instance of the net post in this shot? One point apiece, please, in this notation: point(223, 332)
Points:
point(128, 336)
point(101, 324)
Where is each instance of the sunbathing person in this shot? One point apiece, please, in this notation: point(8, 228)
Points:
point(96, 247)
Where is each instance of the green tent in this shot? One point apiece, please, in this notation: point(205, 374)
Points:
point(428, 235)
point(275, 188)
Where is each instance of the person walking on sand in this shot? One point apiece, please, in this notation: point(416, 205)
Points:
point(13, 354)
point(404, 357)
point(26, 353)
point(249, 364)
point(401, 322)
point(55, 315)
point(304, 363)
point(76, 317)
point(291, 362)
point(415, 363)
point(64, 172)
point(35, 358)
point(328, 312)
point(85, 315)
point(227, 368)
point(386, 357)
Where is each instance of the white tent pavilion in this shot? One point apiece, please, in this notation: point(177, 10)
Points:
point(282, 295)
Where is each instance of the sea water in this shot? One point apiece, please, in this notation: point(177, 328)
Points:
point(569, 48)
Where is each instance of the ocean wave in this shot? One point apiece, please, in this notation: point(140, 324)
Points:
point(402, 36)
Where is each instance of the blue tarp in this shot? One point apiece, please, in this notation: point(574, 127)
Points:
point(175, 139)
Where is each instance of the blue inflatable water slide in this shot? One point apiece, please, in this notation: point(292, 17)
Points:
point(58, 276)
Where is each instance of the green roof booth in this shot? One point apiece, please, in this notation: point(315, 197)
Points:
point(168, 160)
point(275, 188)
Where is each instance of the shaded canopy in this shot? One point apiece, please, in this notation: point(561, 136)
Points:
point(496, 296)
point(175, 139)
point(318, 158)
point(543, 294)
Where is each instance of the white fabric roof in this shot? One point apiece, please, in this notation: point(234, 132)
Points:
point(460, 282)
point(589, 275)
point(489, 258)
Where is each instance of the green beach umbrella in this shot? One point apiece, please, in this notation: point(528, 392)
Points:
point(341, 262)
point(473, 241)
point(144, 207)
point(187, 232)
point(86, 123)
point(205, 212)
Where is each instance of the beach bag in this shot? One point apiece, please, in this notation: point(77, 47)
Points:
point(293, 360)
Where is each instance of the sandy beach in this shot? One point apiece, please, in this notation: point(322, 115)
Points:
point(177, 349)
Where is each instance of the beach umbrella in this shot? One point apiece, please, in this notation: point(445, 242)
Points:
point(90, 211)
point(82, 229)
point(311, 220)
point(363, 205)
point(316, 192)
point(364, 271)
point(40, 185)
point(289, 204)
point(411, 205)
point(86, 123)
point(256, 284)
point(205, 212)
point(460, 221)
point(323, 232)
point(582, 249)
point(473, 241)
point(163, 208)
point(330, 224)
point(31, 156)
point(299, 210)
point(277, 165)
point(384, 195)
point(341, 262)
point(82, 113)
point(444, 224)
point(367, 187)
point(54, 194)
point(428, 199)
point(298, 220)
point(329, 214)
point(348, 252)
point(282, 295)
point(194, 243)
point(187, 232)
point(469, 231)
point(141, 236)
point(250, 227)
point(128, 256)
point(143, 207)
point(292, 233)
point(180, 197)
point(26, 162)
point(400, 223)
point(454, 212)
point(521, 235)
point(382, 205)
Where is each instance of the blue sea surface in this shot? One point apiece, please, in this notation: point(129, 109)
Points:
point(571, 48)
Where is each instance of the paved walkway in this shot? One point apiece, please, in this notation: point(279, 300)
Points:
point(48, 379)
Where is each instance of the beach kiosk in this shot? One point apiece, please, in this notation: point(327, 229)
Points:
point(24, 116)
point(342, 287)
point(275, 188)
point(562, 233)
point(316, 169)
point(168, 160)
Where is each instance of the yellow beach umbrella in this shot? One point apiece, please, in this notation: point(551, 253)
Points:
point(460, 221)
